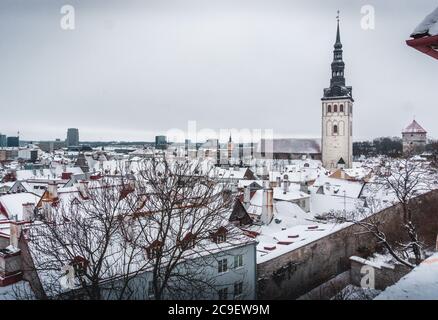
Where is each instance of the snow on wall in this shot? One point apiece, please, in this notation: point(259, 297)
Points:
point(420, 284)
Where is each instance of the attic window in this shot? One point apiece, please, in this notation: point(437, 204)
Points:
point(80, 265)
point(220, 235)
point(154, 249)
point(187, 242)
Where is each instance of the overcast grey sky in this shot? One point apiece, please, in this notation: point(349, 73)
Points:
point(133, 69)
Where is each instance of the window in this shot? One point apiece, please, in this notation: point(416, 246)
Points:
point(335, 129)
point(238, 290)
point(221, 238)
point(220, 235)
point(335, 108)
point(80, 265)
point(154, 249)
point(238, 261)
point(341, 108)
point(222, 266)
point(223, 294)
point(329, 108)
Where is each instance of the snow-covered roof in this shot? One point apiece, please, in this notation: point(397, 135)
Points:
point(420, 284)
point(338, 187)
point(428, 27)
point(53, 173)
point(414, 127)
point(13, 203)
point(292, 239)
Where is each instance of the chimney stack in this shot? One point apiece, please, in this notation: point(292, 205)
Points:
point(304, 187)
point(267, 206)
point(83, 188)
point(278, 181)
point(285, 184)
point(53, 190)
point(47, 210)
point(28, 211)
point(15, 232)
point(246, 196)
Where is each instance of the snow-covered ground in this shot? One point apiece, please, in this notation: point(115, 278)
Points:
point(420, 284)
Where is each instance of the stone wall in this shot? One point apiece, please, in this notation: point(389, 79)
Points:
point(295, 273)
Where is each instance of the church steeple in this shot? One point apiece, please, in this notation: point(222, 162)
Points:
point(337, 114)
point(337, 81)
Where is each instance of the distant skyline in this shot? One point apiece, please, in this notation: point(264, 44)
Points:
point(134, 69)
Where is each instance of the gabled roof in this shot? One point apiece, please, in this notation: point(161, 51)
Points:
point(414, 127)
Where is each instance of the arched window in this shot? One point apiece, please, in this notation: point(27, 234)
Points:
point(335, 129)
point(341, 108)
point(329, 108)
point(335, 108)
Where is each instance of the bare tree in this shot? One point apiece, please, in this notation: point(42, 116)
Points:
point(161, 227)
point(86, 230)
point(398, 182)
point(190, 207)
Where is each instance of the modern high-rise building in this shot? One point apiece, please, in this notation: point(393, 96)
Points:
point(13, 142)
point(161, 142)
point(72, 137)
point(337, 115)
point(3, 141)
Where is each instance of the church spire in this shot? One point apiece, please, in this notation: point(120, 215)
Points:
point(338, 34)
point(337, 82)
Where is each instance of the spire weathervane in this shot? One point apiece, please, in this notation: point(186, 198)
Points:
point(337, 17)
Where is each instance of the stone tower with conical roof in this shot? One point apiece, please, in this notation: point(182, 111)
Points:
point(337, 114)
point(414, 139)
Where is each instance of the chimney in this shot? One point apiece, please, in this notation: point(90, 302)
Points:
point(246, 196)
point(83, 188)
point(285, 184)
point(304, 187)
point(15, 232)
point(267, 206)
point(53, 190)
point(47, 210)
point(278, 181)
point(28, 211)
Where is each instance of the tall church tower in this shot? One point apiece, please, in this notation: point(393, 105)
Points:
point(337, 115)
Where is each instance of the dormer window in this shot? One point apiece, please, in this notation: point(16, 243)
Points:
point(220, 235)
point(187, 242)
point(80, 265)
point(154, 249)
